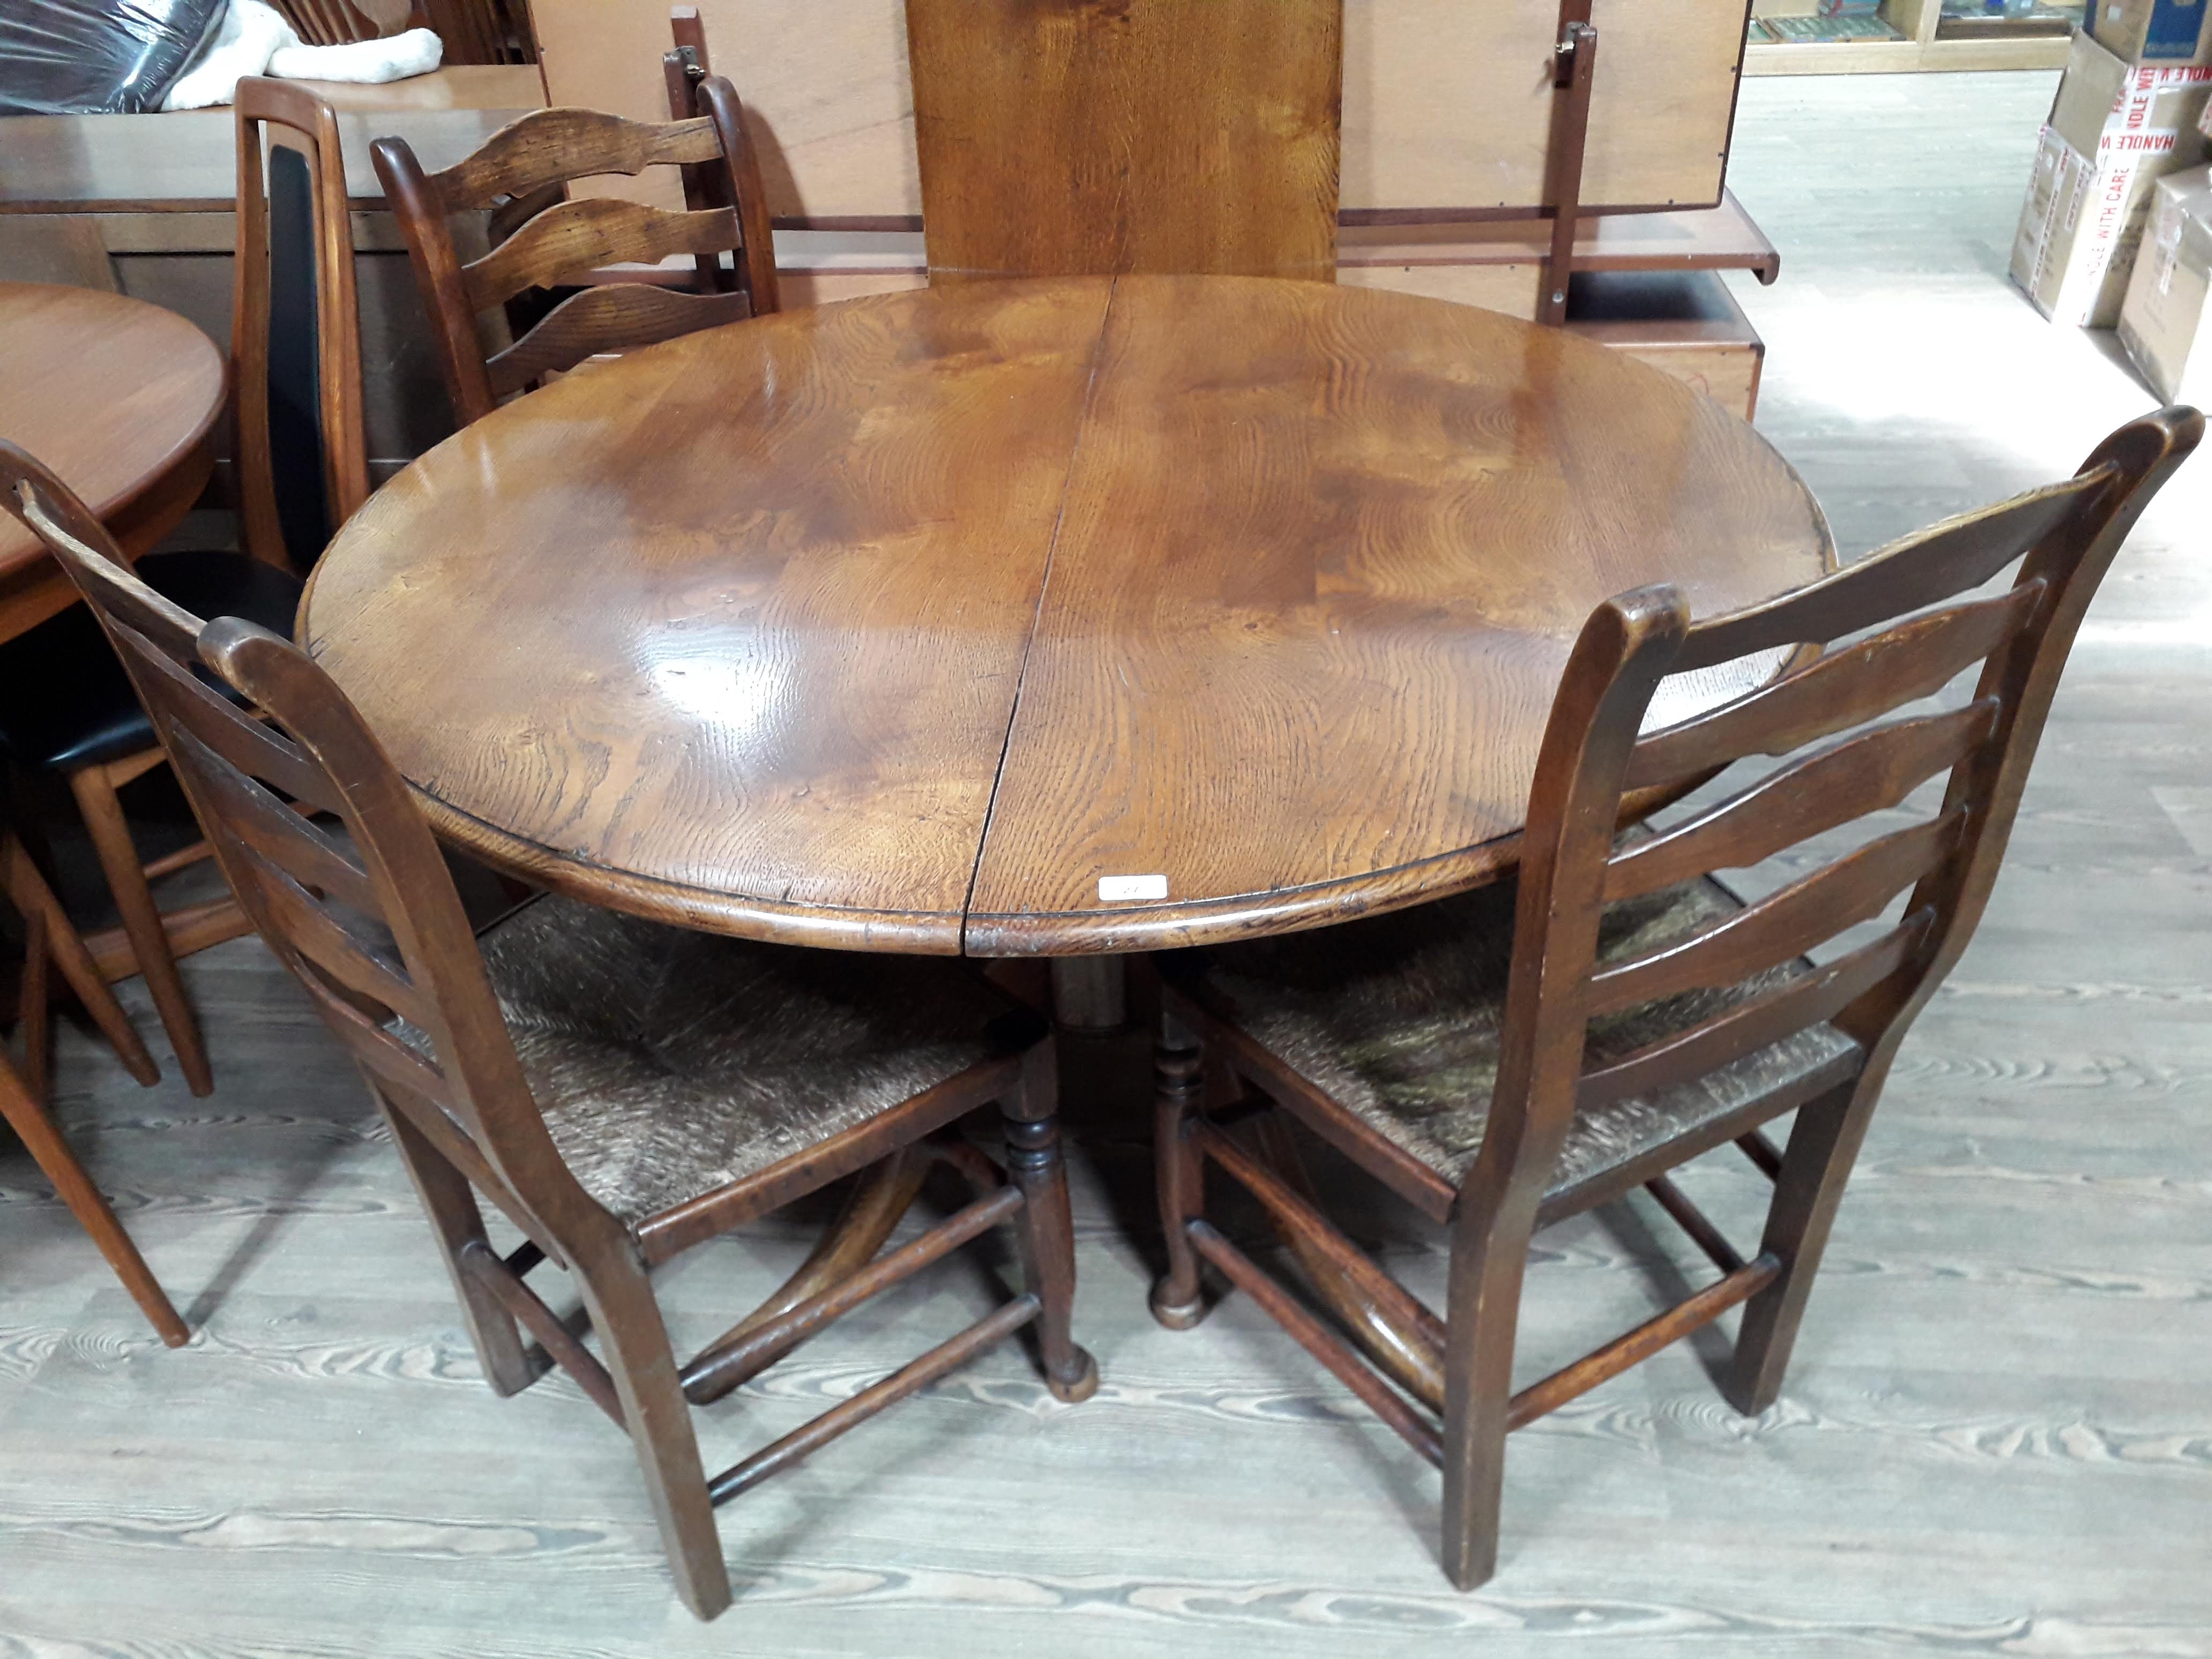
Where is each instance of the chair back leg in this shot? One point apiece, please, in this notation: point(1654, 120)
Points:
point(1823, 1143)
point(142, 920)
point(455, 1219)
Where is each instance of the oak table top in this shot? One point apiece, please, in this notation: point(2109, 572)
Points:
point(120, 399)
point(1052, 617)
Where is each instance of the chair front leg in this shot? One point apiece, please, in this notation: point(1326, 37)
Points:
point(633, 1341)
point(1179, 1075)
point(1046, 1227)
point(1824, 1143)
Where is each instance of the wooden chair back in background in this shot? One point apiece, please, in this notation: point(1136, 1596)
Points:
point(295, 329)
point(1073, 140)
point(542, 240)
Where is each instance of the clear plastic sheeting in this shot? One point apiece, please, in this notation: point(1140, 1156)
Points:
point(97, 57)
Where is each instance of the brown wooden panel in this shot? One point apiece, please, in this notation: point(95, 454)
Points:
point(1448, 104)
point(1067, 137)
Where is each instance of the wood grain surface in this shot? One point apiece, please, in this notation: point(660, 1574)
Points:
point(1996, 1436)
point(119, 396)
point(1071, 139)
point(1261, 587)
point(729, 631)
point(1309, 677)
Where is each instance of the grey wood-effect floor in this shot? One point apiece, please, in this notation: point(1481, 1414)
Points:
point(1996, 1438)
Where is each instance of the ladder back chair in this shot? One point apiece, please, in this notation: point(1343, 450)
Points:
point(66, 707)
point(1511, 1056)
point(620, 1092)
point(49, 939)
point(1082, 140)
point(540, 241)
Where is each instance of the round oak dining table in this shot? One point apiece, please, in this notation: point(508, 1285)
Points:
point(1054, 616)
point(120, 399)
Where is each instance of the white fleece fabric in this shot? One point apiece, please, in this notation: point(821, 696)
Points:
point(253, 39)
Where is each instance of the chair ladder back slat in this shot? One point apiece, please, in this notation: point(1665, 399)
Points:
point(1922, 569)
point(284, 838)
point(553, 146)
point(1784, 925)
point(360, 964)
point(165, 625)
point(1871, 772)
point(369, 1040)
point(565, 241)
point(1757, 1023)
point(425, 1109)
point(1845, 687)
point(242, 741)
point(511, 213)
point(618, 315)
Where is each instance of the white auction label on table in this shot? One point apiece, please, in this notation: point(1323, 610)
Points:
point(1133, 887)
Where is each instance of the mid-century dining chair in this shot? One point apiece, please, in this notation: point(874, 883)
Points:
point(49, 939)
point(621, 1091)
point(66, 707)
point(541, 241)
point(1505, 1059)
point(1081, 141)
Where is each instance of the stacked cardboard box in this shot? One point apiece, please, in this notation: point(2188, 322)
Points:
point(2162, 320)
point(2115, 127)
point(2155, 31)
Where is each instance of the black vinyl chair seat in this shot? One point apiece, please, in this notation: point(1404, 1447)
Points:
point(64, 700)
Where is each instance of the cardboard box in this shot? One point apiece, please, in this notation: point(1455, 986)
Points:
point(2155, 31)
point(2162, 321)
point(2115, 129)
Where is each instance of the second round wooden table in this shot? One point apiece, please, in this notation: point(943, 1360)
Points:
point(1056, 617)
point(120, 399)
